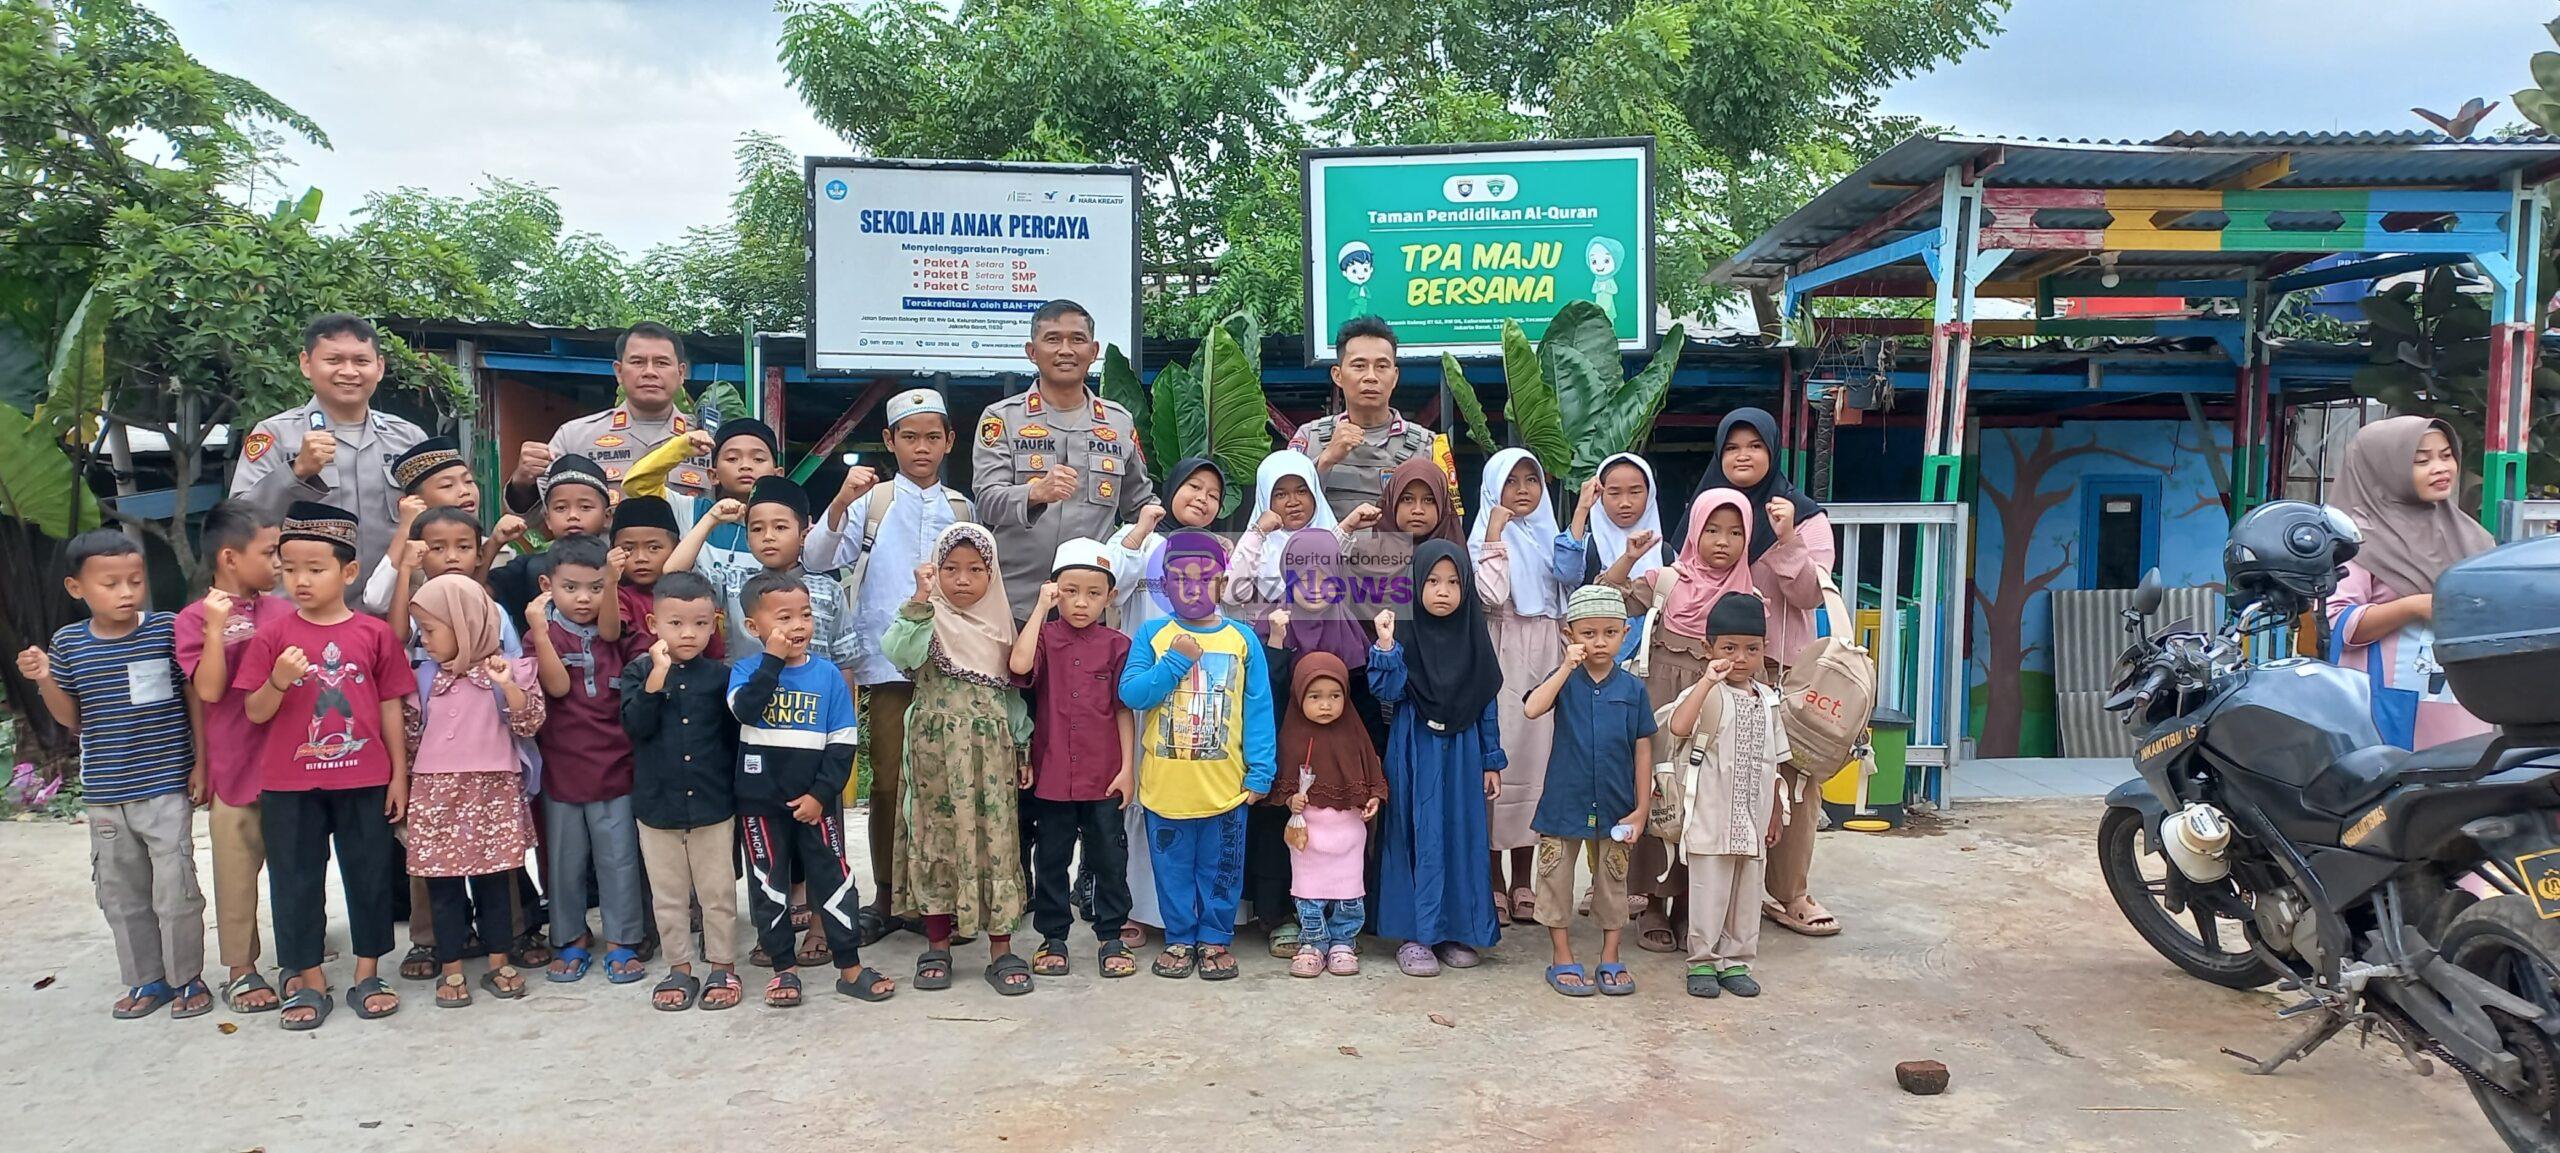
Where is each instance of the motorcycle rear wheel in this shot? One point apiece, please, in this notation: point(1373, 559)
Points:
point(2504, 940)
point(2195, 941)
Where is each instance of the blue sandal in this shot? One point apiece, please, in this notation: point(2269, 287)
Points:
point(1625, 986)
point(621, 955)
point(578, 960)
point(1555, 980)
point(144, 1000)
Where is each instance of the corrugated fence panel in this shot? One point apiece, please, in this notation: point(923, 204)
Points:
point(2088, 637)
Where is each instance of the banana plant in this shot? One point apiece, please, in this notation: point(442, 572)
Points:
point(1218, 411)
point(1571, 403)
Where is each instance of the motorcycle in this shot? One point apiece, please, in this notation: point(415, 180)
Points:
point(2273, 837)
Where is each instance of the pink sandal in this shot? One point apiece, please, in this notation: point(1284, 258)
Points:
point(1416, 960)
point(1342, 961)
point(1308, 963)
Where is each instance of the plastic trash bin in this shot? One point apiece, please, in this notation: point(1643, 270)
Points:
point(1850, 796)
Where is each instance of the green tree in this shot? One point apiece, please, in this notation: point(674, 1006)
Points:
point(749, 274)
point(1754, 104)
point(517, 245)
point(153, 297)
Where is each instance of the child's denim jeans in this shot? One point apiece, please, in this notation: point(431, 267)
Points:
point(1327, 923)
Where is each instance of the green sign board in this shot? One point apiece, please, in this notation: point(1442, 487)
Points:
point(1447, 242)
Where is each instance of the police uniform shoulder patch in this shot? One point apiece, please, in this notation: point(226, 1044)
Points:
point(257, 445)
point(621, 419)
point(681, 425)
point(991, 430)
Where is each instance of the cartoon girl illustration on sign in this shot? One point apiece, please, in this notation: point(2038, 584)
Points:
point(1358, 264)
point(1605, 256)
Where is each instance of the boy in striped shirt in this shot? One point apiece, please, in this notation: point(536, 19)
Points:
point(114, 680)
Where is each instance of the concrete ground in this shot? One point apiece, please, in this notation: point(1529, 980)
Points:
point(1987, 943)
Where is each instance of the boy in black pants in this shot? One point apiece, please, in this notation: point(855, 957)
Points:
point(795, 753)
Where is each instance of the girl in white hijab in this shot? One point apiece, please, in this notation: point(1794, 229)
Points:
point(1287, 497)
point(1514, 543)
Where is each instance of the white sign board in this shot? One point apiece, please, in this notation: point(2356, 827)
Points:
point(924, 266)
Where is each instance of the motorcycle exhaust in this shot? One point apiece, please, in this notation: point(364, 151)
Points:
point(2196, 838)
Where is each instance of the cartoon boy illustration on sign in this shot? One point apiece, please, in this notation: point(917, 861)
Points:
point(1605, 256)
point(1358, 264)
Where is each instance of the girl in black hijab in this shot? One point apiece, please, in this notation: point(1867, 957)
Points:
point(1444, 761)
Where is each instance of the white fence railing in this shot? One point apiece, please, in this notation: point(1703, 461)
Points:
point(1920, 549)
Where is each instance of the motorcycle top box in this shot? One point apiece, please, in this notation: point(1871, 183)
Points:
point(2497, 628)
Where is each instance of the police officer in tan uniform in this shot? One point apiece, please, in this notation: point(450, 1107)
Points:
point(649, 364)
point(1057, 461)
point(337, 449)
point(1357, 449)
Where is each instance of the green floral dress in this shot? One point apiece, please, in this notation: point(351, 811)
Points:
point(959, 852)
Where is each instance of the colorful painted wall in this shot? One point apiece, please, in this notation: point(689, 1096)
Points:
point(2029, 531)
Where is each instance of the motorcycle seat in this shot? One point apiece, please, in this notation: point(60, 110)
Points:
point(2356, 780)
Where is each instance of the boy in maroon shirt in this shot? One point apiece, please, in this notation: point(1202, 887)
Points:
point(326, 681)
point(579, 647)
point(240, 548)
point(1083, 746)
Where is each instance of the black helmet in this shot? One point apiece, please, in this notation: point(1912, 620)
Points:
point(2288, 553)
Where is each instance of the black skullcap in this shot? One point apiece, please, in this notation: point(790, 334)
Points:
point(1738, 615)
point(313, 521)
point(746, 426)
point(781, 490)
point(425, 459)
point(575, 469)
point(645, 512)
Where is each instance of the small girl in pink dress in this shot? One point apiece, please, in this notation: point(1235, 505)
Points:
point(1323, 739)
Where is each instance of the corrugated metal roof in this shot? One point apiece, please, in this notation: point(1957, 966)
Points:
point(2181, 160)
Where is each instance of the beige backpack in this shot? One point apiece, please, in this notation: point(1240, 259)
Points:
point(1830, 694)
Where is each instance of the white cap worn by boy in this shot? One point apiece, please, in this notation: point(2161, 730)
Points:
point(915, 401)
point(1083, 552)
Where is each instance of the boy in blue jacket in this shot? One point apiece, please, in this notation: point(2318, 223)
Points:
point(796, 730)
point(1206, 750)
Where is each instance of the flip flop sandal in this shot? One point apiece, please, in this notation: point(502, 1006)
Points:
point(306, 997)
point(1738, 982)
point(1284, 941)
point(1702, 982)
point(783, 991)
point(1217, 963)
point(1050, 960)
point(242, 986)
point(801, 918)
point(1113, 950)
point(871, 925)
point(452, 983)
point(1524, 905)
point(531, 951)
point(622, 955)
point(759, 958)
point(178, 1010)
point(933, 970)
point(579, 961)
point(727, 981)
point(1624, 986)
point(1342, 961)
point(1555, 980)
point(366, 990)
point(1415, 959)
point(859, 988)
point(1176, 962)
point(1825, 925)
point(1001, 973)
point(685, 983)
point(419, 964)
point(1654, 933)
point(814, 953)
point(1133, 936)
point(1308, 963)
point(1502, 914)
point(144, 1000)
point(490, 981)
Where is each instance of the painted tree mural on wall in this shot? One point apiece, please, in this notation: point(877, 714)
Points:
point(2027, 546)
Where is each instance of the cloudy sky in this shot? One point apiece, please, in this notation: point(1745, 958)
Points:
point(628, 109)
